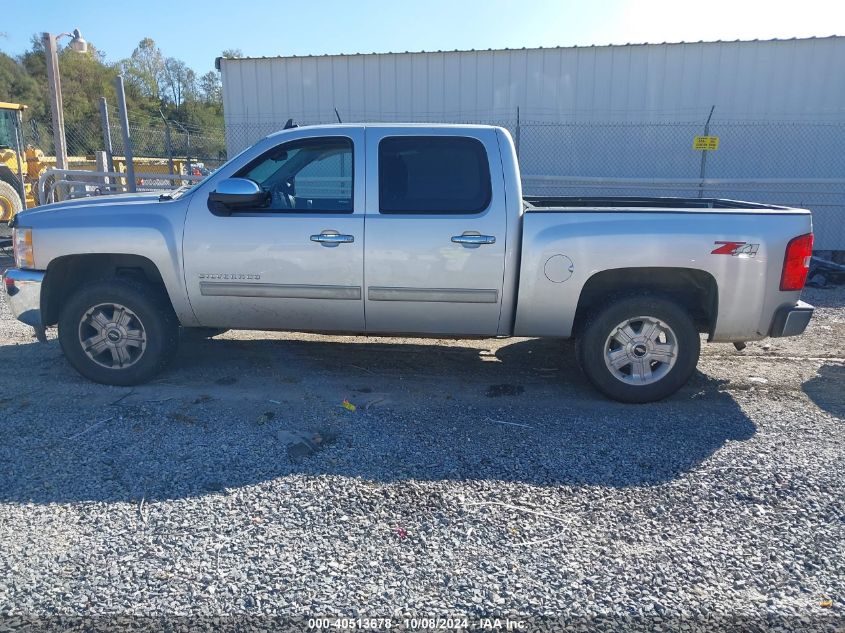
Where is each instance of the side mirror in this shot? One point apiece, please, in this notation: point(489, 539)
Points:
point(238, 192)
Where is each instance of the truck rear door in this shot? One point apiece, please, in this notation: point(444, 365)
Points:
point(435, 231)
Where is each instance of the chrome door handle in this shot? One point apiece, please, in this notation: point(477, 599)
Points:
point(474, 240)
point(332, 239)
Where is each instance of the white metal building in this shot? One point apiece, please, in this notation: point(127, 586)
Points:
point(598, 112)
point(800, 79)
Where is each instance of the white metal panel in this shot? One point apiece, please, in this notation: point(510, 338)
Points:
point(759, 80)
point(357, 89)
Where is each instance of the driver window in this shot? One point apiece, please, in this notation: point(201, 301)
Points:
point(310, 175)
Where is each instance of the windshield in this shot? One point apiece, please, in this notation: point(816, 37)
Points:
point(7, 128)
point(181, 191)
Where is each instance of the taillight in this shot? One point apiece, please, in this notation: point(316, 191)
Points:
point(796, 262)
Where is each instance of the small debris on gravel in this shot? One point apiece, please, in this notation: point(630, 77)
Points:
point(496, 391)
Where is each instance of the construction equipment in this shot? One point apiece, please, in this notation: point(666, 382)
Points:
point(13, 190)
point(21, 167)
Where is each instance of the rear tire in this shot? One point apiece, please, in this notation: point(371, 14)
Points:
point(10, 201)
point(118, 331)
point(639, 348)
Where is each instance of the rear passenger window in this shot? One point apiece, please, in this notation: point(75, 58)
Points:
point(433, 174)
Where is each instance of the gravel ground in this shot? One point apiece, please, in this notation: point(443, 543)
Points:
point(475, 477)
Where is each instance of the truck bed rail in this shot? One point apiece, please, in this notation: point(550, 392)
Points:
point(643, 202)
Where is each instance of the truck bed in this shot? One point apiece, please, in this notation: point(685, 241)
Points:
point(665, 204)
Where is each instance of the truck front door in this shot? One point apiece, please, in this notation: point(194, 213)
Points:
point(435, 232)
point(295, 264)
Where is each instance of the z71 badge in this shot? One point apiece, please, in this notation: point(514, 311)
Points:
point(736, 249)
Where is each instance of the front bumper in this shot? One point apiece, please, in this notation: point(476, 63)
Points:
point(23, 294)
point(791, 320)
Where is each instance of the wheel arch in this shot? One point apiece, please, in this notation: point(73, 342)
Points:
point(66, 274)
point(696, 290)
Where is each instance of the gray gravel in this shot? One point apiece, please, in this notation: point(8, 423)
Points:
point(475, 477)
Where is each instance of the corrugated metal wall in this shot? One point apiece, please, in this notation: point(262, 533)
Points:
point(759, 80)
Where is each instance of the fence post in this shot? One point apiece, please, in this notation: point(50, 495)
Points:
point(127, 137)
point(187, 133)
point(168, 147)
point(188, 154)
point(516, 140)
point(703, 171)
point(104, 121)
point(101, 160)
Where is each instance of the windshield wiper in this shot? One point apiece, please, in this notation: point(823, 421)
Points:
point(175, 193)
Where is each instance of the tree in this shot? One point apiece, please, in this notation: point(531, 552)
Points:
point(84, 80)
point(153, 82)
point(145, 68)
point(178, 79)
point(232, 53)
point(190, 85)
point(210, 88)
point(17, 85)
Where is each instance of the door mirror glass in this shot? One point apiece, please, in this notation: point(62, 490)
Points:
point(234, 193)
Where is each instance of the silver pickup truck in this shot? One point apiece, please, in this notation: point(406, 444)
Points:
point(408, 229)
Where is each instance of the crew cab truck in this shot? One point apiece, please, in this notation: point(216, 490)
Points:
point(412, 230)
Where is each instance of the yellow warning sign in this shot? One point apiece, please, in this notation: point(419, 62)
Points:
point(707, 143)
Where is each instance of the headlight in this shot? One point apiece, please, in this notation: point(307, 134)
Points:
point(22, 241)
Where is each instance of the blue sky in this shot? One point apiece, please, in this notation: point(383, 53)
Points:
point(197, 31)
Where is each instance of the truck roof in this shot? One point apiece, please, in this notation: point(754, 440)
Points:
point(429, 126)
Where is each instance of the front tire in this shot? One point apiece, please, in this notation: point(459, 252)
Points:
point(10, 201)
point(639, 349)
point(118, 331)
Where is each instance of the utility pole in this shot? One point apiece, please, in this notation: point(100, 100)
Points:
point(79, 45)
point(56, 108)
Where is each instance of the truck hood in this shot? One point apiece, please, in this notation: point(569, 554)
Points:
point(122, 200)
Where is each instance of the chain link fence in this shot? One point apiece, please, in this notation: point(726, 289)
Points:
point(151, 139)
point(794, 163)
point(790, 163)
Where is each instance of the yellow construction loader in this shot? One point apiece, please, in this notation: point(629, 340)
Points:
point(20, 169)
point(14, 189)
